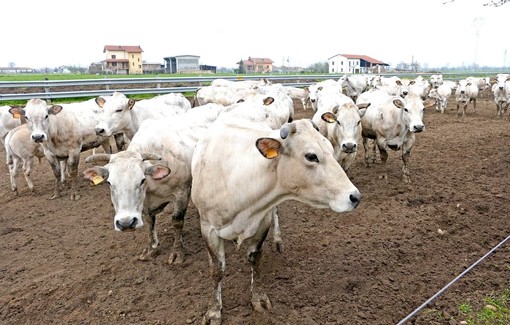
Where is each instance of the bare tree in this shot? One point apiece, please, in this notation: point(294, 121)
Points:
point(12, 64)
point(491, 3)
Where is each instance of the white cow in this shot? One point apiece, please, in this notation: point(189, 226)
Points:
point(124, 115)
point(338, 119)
point(481, 83)
point(240, 83)
point(392, 85)
point(441, 94)
point(393, 123)
point(436, 80)
point(259, 168)
point(301, 94)
point(20, 150)
point(65, 131)
point(325, 85)
point(141, 189)
point(7, 122)
point(221, 95)
point(501, 91)
point(465, 93)
point(354, 85)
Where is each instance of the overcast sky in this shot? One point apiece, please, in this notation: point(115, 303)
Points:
point(37, 33)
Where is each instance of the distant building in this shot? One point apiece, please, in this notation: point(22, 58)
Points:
point(122, 59)
point(258, 65)
point(182, 64)
point(11, 70)
point(354, 63)
point(154, 68)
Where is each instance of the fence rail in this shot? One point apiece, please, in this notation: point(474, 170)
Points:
point(24, 90)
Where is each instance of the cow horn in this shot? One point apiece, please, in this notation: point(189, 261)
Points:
point(287, 129)
point(99, 157)
point(151, 156)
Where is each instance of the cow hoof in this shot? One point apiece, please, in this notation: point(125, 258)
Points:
point(176, 258)
point(148, 254)
point(261, 302)
point(75, 197)
point(279, 246)
point(54, 196)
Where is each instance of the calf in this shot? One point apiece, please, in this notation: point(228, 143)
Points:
point(293, 163)
point(501, 91)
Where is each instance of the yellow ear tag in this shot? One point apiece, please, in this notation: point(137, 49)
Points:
point(271, 153)
point(97, 180)
point(16, 115)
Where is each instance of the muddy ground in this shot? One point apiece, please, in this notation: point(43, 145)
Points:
point(61, 262)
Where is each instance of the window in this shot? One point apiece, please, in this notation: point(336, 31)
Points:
point(139, 66)
point(114, 64)
point(333, 63)
point(138, 59)
point(132, 56)
point(114, 56)
point(341, 62)
point(133, 64)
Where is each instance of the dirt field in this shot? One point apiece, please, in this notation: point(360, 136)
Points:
point(61, 262)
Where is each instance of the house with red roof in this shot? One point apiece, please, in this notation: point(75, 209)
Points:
point(355, 63)
point(258, 65)
point(123, 59)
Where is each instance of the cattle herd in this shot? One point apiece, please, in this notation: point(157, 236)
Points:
point(231, 135)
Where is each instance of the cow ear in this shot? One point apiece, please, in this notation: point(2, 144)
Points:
point(362, 112)
point(329, 117)
point(429, 103)
point(268, 101)
point(269, 147)
point(399, 103)
point(55, 109)
point(97, 175)
point(157, 172)
point(100, 101)
point(131, 103)
point(17, 112)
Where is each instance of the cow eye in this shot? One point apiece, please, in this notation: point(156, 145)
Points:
point(143, 181)
point(359, 122)
point(312, 157)
point(119, 110)
point(406, 110)
point(46, 117)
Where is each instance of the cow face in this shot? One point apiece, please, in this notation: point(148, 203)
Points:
point(308, 170)
point(37, 114)
point(116, 114)
point(127, 173)
point(412, 112)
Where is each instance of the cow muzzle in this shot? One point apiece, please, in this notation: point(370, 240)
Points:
point(38, 138)
point(418, 128)
point(349, 147)
point(127, 224)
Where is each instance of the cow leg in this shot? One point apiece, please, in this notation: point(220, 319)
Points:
point(73, 161)
point(367, 151)
point(216, 251)
point(181, 204)
point(277, 235)
point(259, 300)
point(120, 142)
point(153, 249)
point(55, 168)
point(13, 171)
point(474, 104)
point(27, 168)
point(406, 152)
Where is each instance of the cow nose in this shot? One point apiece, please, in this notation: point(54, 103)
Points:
point(418, 128)
point(130, 224)
point(99, 131)
point(462, 91)
point(349, 147)
point(355, 199)
point(37, 137)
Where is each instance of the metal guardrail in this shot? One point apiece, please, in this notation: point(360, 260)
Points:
point(196, 82)
point(49, 86)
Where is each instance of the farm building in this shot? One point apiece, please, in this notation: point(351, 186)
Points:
point(122, 59)
point(354, 63)
point(257, 65)
point(182, 64)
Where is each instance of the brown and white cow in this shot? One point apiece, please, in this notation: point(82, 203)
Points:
point(241, 171)
point(64, 131)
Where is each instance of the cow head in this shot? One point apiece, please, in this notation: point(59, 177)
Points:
point(128, 174)
point(37, 114)
point(116, 114)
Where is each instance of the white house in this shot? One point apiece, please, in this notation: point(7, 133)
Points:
point(355, 63)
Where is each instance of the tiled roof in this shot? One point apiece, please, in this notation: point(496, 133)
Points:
point(126, 48)
point(362, 57)
point(258, 61)
point(116, 60)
